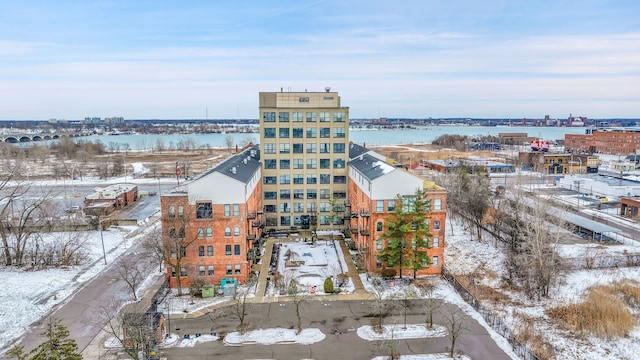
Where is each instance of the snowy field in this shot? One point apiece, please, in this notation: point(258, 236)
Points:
point(465, 256)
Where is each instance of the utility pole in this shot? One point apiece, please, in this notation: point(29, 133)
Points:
point(104, 253)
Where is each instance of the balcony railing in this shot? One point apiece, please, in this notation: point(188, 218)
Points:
point(257, 224)
point(365, 213)
point(354, 215)
point(364, 232)
point(251, 236)
point(251, 215)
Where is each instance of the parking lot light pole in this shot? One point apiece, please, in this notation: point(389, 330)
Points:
point(104, 253)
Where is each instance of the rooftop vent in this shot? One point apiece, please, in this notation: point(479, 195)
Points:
point(327, 89)
point(234, 170)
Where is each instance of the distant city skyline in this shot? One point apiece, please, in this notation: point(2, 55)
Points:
point(405, 59)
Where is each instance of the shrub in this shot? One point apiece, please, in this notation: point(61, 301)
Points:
point(388, 273)
point(342, 279)
point(328, 285)
point(195, 287)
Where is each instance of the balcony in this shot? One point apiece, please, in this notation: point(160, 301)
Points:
point(257, 224)
point(251, 254)
point(354, 229)
point(347, 204)
point(251, 215)
point(251, 236)
point(364, 213)
point(354, 215)
point(346, 216)
point(364, 232)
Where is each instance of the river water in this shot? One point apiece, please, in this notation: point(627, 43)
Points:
point(369, 137)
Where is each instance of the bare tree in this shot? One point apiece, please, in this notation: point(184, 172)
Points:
point(131, 274)
point(175, 242)
point(382, 305)
point(152, 243)
point(431, 304)
point(455, 322)
point(298, 298)
point(468, 195)
point(240, 307)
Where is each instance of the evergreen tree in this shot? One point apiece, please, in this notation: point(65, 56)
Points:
point(57, 346)
point(407, 223)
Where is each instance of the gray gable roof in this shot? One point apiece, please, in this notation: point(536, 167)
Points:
point(370, 167)
point(356, 150)
point(241, 166)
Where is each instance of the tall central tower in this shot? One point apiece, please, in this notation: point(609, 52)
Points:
point(304, 146)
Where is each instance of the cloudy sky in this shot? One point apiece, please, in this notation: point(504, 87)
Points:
point(177, 59)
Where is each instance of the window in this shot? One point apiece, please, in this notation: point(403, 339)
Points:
point(269, 148)
point(236, 230)
point(269, 116)
point(312, 132)
point(311, 194)
point(434, 261)
point(298, 132)
point(312, 148)
point(324, 207)
point(324, 219)
point(269, 133)
point(325, 148)
point(339, 133)
point(227, 250)
point(183, 271)
point(298, 194)
point(338, 117)
point(285, 179)
point(285, 194)
point(311, 163)
point(298, 148)
point(283, 117)
point(298, 207)
point(209, 231)
point(270, 195)
point(236, 249)
point(298, 163)
point(325, 163)
point(298, 179)
point(311, 207)
point(324, 193)
point(229, 270)
point(391, 205)
point(285, 220)
point(173, 272)
point(227, 210)
point(339, 179)
point(379, 226)
point(339, 194)
point(236, 209)
point(180, 211)
point(269, 208)
point(436, 224)
point(285, 148)
point(227, 231)
point(311, 179)
point(311, 117)
point(338, 163)
point(338, 148)
point(325, 116)
point(270, 180)
point(237, 269)
point(270, 163)
point(210, 270)
point(209, 250)
point(437, 204)
point(298, 116)
point(284, 207)
point(174, 253)
point(379, 244)
point(325, 132)
point(201, 270)
point(182, 233)
point(204, 210)
point(325, 178)
point(284, 133)
point(200, 232)
point(435, 242)
point(172, 211)
point(380, 206)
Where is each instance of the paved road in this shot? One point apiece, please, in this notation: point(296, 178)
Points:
point(79, 313)
point(328, 316)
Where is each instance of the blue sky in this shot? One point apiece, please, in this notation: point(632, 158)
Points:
point(175, 59)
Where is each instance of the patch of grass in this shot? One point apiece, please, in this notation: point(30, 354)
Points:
point(603, 313)
point(527, 333)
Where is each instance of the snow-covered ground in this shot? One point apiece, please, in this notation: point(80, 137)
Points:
point(28, 296)
point(465, 256)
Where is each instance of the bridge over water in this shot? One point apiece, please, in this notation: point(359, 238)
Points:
point(23, 138)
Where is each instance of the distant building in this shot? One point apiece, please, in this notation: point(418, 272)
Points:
point(629, 207)
point(559, 163)
point(92, 121)
point(604, 141)
point(116, 196)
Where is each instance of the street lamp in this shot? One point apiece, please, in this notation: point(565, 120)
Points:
point(104, 253)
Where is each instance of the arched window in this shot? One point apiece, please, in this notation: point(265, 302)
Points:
point(227, 231)
point(173, 234)
point(236, 231)
point(379, 226)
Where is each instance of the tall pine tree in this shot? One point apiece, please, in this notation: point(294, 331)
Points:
point(57, 346)
point(407, 234)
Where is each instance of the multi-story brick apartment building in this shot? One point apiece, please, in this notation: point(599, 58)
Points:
point(218, 217)
point(605, 141)
point(559, 163)
point(303, 142)
point(303, 173)
point(373, 188)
